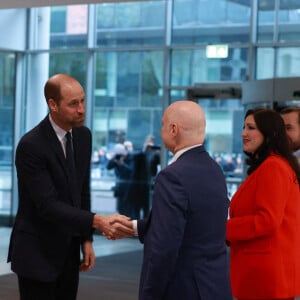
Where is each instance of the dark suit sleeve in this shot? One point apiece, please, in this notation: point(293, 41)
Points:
point(164, 235)
point(86, 173)
point(142, 228)
point(43, 185)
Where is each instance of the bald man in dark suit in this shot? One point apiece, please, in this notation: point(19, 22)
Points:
point(185, 255)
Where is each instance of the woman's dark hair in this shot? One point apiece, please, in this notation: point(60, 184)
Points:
point(271, 126)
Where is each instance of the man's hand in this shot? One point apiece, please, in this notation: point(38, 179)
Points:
point(114, 226)
point(88, 260)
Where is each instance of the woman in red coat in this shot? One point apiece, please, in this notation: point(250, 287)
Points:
point(263, 231)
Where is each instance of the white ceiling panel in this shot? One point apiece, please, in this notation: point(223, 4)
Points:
point(4, 4)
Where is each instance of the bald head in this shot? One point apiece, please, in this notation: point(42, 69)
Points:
point(183, 125)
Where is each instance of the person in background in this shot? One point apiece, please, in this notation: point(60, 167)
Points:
point(54, 220)
point(123, 165)
point(128, 146)
point(263, 228)
point(152, 155)
point(229, 165)
point(185, 255)
point(291, 118)
point(145, 168)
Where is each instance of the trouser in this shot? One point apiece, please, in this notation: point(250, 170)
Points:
point(63, 288)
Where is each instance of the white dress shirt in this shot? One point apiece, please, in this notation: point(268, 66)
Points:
point(61, 134)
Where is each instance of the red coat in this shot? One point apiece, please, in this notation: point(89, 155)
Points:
point(264, 233)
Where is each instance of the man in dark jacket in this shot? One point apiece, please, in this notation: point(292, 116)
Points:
point(54, 219)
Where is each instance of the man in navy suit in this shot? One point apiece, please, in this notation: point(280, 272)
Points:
point(54, 219)
point(184, 237)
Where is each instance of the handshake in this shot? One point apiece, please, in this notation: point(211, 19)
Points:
point(114, 226)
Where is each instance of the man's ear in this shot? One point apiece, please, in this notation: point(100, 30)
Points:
point(174, 129)
point(52, 105)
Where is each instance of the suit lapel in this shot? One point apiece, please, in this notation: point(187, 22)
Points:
point(76, 147)
point(53, 141)
point(56, 147)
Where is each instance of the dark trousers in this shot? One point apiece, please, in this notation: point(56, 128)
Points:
point(63, 288)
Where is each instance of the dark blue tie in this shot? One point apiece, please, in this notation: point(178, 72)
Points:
point(70, 154)
point(72, 170)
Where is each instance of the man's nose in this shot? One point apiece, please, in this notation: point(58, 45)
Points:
point(81, 108)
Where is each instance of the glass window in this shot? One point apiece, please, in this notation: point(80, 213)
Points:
point(68, 26)
point(224, 123)
point(289, 21)
point(288, 62)
point(128, 98)
point(265, 63)
point(176, 95)
point(100, 127)
point(266, 21)
point(70, 63)
point(117, 126)
point(193, 66)
point(210, 21)
point(133, 81)
point(7, 105)
point(112, 126)
point(130, 23)
point(129, 79)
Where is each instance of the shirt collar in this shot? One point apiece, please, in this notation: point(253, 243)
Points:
point(297, 153)
point(59, 131)
point(180, 152)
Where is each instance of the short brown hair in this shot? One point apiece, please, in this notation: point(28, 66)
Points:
point(52, 89)
point(291, 109)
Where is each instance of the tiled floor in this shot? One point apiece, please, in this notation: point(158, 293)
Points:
point(102, 247)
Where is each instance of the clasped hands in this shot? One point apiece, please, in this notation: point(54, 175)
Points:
point(114, 226)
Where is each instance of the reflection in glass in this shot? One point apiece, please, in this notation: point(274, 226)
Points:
point(127, 106)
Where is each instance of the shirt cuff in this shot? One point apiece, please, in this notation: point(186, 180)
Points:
point(134, 224)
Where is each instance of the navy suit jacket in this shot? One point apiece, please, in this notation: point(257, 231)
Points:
point(184, 237)
point(50, 214)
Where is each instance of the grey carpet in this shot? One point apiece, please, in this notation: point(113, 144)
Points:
point(114, 277)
